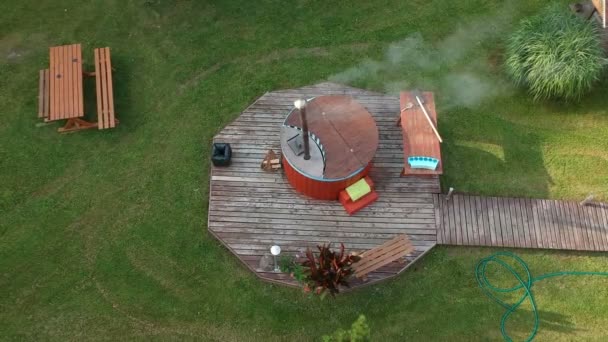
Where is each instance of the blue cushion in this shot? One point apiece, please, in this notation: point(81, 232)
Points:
point(419, 162)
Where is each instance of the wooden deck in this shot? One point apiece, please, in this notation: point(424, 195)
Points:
point(250, 210)
point(520, 222)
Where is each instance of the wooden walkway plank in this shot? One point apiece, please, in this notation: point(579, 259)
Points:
point(471, 229)
point(554, 241)
point(519, 222)
point(482, 221)
point(571, 223)
point(584, 227)
point(540, 234)
point(562, 226)
point(603, 214)
point(470, 219)
point(438, 217)
point(500, 228)
point(532, 222)
point(578, 237)
point(452, 232)
point(522, 219)
point(494, 228)
point(592, 229)
point(557, 235)
point(545, 232)
point(568, 226)
point(598, 227)
point(505, 219)
point(448, 232)
point(494, 223)
point(459, 223)
point(485, 222)
point(477, 222)
point(573, 227)
point(513, 217)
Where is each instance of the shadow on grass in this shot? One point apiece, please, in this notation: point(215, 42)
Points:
point(521, 323)
point(500, 157)
point(594, 101)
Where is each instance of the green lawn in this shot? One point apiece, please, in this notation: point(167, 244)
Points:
point(102, 234)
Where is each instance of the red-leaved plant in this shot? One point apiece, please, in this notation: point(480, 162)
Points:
point(328, 271)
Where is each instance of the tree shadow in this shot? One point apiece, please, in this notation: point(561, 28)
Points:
point(498, 156)
point(594, 101)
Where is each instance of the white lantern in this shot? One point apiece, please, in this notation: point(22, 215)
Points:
point(275, 250)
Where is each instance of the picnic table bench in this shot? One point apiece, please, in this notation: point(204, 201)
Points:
point(383, 255)
point(105, 97)
point(60, 94)
point(419, 140)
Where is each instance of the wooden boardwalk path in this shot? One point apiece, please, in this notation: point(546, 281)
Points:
point(251, 210)
point(521, 222)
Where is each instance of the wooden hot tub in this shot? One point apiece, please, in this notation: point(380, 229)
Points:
point(343, 140)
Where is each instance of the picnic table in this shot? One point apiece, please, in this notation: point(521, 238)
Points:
point(418, 136)
point(61, 89)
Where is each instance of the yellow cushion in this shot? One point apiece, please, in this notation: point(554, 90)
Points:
point(358, 190)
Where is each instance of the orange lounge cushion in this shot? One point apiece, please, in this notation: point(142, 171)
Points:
point(343, 196)
point(359, 189)
point(352, 207)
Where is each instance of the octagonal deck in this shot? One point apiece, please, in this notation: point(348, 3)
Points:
point(251, 210)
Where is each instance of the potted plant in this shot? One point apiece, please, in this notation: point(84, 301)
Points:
point(328, 271)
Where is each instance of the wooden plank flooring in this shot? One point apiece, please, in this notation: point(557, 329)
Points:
point(251, 210)
point(521, 223)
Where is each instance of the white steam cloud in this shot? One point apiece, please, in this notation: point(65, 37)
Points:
point(457, 66)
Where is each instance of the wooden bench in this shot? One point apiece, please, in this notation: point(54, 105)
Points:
point(105, 94)
point(353, 207)
point(44, 94)
point(383, 255)
point(418, 136)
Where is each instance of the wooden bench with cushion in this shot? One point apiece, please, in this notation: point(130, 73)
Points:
point(351, 206)
point(44, 94)
point(383, 255)
point(105, 94)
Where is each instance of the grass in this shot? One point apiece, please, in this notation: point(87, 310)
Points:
point(102, 234)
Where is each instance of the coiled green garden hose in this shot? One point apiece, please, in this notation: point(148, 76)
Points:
point(525, 282)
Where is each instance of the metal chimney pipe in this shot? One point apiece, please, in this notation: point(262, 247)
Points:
point(301, 106)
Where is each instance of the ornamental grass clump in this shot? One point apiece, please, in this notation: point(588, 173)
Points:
point(555, 55)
